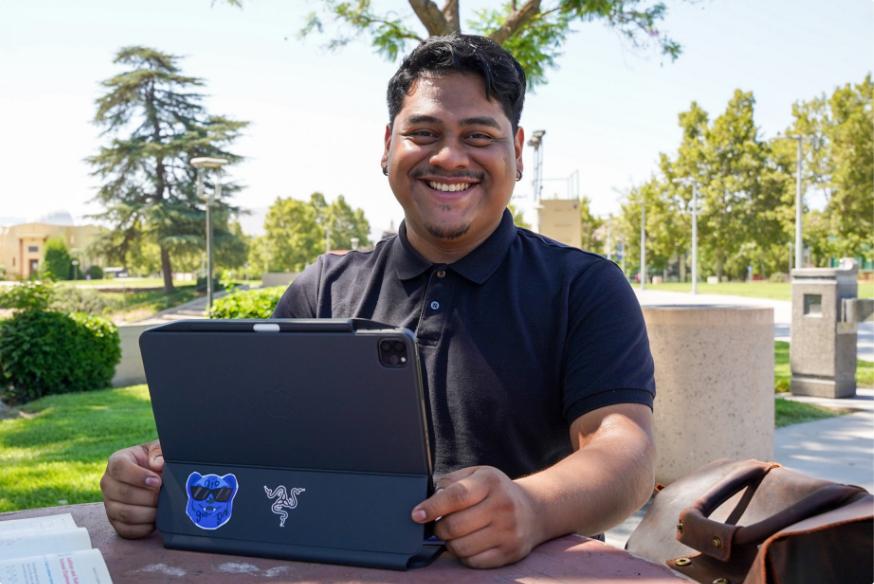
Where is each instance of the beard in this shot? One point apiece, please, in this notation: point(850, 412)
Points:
point(447, 233)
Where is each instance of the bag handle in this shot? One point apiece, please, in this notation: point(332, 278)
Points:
point(696, 530)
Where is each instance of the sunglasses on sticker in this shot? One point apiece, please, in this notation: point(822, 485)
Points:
point(219, 495)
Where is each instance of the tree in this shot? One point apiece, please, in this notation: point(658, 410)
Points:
point(518, 217)
point(589, 226)
point(532, 30)
point(156, 123)
point(57, 262)
point(340, 223)
point(293, 237)
point(838, 138)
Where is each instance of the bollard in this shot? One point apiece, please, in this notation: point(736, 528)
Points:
point(714, 372)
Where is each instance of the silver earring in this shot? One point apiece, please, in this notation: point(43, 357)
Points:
point(385, 170)
point(518, 175)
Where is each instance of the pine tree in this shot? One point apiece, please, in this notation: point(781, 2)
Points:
point(155, 123)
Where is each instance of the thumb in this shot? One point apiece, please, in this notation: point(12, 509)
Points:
point(156, 456)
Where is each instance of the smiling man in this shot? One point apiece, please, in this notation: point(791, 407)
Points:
point(534, 354)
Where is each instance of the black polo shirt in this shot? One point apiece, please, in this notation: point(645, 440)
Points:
point(517, 339)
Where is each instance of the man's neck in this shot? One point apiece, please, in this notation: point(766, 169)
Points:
point(445, 251)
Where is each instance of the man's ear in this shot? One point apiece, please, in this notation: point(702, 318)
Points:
point(519, 147)
point(384, 162)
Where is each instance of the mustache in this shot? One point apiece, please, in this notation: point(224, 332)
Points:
point(431, 171)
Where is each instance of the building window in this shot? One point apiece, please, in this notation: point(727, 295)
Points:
point(32, 248)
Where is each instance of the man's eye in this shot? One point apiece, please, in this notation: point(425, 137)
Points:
point(421, 135)
point(480, 139)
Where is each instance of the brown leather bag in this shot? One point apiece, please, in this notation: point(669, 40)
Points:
point(753, 522)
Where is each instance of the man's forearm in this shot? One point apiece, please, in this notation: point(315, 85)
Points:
point(609, 477)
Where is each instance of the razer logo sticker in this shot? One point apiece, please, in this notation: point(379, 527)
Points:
point(210, 499)
point(284, 500)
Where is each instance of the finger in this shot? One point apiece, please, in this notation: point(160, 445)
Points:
point(490, 558)
point(130, 515)
point(472, 544)
point(130, 494)
point(444, 481)
point(128, 466)
point(156, 456)
point(455, 497)
point(462, 523)
point(132, 531)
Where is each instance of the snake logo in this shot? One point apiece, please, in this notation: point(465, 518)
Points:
point(284, 500)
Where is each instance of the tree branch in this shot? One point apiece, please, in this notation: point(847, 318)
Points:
point(452, 15)
point(516, 21)
point(430, 15)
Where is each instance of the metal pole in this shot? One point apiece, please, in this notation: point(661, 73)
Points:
point(694, 238)
point(799, 244)
point(209, 200)
point(642, 244)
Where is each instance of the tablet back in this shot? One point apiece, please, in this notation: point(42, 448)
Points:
point(301, 439)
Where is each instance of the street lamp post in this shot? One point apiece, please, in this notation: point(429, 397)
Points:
point(799, 244)
point(200, 164)
point(536, 142)
point(689, 181)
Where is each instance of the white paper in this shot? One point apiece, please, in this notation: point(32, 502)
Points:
point(62, 521)
point(17, 544)
point(82, 567)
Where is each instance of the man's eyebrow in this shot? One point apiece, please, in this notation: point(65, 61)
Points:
point(475, 121)
point(482, 121)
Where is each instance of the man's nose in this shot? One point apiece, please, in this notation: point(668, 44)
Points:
point(450, 154)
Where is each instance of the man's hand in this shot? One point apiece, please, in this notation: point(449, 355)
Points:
point(486, 519)
point(130, 489)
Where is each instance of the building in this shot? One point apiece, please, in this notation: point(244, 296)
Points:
point(22, 247)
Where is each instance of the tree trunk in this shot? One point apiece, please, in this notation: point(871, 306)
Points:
point(166, 270)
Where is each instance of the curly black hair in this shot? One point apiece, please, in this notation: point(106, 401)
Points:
point(502, 75)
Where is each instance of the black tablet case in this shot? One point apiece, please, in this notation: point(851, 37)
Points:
point(306, 404)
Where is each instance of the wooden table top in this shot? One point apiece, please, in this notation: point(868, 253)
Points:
point(570, 559)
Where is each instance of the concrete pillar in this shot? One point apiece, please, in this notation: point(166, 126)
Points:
point(559, 219)
point(714, 371)
point(129, 370)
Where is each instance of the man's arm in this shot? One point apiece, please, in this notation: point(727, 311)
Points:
point(489, 520)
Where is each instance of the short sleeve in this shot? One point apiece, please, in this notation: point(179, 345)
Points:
point(607, 355)
point(300, 299)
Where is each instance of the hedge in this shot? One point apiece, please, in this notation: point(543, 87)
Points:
point(247, 303)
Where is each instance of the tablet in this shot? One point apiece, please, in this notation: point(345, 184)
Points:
point(292, 438)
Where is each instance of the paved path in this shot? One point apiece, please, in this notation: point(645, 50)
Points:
point(782, 313)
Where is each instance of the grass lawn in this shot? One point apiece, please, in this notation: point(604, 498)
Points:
point(57, 452)
point(770, 290)
point(133, 306)
point(126, 283)
point(783, 375)
point(787, 412)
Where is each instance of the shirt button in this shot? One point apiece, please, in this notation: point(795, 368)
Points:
point(435, 305)
point(441, 273)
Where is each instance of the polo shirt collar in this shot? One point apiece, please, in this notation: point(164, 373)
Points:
point(476, 266)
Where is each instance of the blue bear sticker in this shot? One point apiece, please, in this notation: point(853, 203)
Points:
point(210, 499)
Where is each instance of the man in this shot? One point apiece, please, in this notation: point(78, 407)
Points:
point(534, 354)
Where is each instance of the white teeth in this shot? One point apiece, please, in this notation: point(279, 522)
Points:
point(449, 188)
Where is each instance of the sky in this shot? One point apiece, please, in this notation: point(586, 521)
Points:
point(318, 117)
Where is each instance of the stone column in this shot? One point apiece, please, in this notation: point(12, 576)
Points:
point(714, 371)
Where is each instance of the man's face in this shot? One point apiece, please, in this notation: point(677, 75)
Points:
point(452, 158)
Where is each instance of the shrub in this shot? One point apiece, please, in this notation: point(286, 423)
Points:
point(57, 263)
point(247, 303)
point(71, 299)
point(95, 272)
point(28, 295)
point(45, 352)
point(778, 277)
